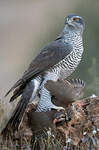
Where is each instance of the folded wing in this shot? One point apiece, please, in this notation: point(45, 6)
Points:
point(47, 58)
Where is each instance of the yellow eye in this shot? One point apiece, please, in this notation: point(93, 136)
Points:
point(75, 19)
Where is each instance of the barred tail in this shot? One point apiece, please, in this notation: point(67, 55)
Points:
point(19, 111)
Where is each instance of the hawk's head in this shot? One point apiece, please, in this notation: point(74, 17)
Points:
point(75, 22)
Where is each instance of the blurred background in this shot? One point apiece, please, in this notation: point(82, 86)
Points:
point(27, 26)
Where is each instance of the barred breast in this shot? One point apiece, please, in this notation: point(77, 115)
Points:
point(65, 67)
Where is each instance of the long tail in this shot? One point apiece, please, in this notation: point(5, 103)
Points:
point(19, 111)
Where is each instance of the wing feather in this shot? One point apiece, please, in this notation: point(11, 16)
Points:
point(47, 58)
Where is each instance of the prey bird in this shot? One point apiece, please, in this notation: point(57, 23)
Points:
point(63, 93)
point(55, 61)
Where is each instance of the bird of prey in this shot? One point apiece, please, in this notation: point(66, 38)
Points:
point(55, 61)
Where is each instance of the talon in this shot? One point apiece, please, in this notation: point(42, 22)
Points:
point(61, 108)
point(58, 108)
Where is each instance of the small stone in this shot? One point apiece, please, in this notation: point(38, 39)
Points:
point(94, 131)
point(84, 133)
point(68, 140)
point(93, 96)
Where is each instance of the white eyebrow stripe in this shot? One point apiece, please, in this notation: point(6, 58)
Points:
point(78, 17)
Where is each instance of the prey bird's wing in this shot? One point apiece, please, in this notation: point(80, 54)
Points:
point(52, 54)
